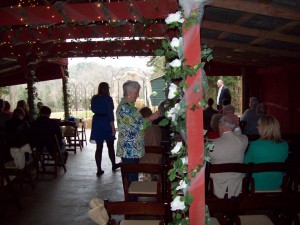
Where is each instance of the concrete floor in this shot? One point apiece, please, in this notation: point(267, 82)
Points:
point(65, 200)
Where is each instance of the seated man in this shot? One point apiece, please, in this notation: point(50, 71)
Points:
point(228, 148)
point(251, 118)
point(44, 126)
point(208, 112)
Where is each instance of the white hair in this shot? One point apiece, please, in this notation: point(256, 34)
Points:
point(129, 86)
point(227, 121)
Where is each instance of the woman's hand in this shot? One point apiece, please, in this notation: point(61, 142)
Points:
point(154, 116)
point(113, 131)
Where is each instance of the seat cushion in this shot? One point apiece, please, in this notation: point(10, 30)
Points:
point(10, 165)
point(255, 219)
point(139, 222)
point(214, 221)
point(143, 187)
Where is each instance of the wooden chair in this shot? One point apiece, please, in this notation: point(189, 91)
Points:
point(280, 204)
point(45, 160)
point(153, 155)
point(6, 185)
point(82, 133)
point(70, 132)
point(225, 210)
point(289, 176)
point(142, 188)
point(154, 210)
point(226, 168)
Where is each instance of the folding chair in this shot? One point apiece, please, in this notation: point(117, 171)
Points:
point(82, 133)
point(70, 132)
point(44, 159)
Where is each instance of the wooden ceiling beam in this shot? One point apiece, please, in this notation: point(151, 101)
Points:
point(92, 31)
point(244, 47)
point(38, 52)
point(258, 8)
point(62, 12)
point(241, 20)
point(285, 28)
point(228, 28)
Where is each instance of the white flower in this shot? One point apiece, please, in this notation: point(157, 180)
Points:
point(172, 91)
point(176, 204)
point(175, 63)
point(175, 43)
point(182, 185)
point(174, 17)
point(177, 147)
point(184, 160)
point(172, 112)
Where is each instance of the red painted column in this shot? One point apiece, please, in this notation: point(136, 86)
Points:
point(195, 140)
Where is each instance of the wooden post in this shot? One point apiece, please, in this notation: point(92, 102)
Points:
point(194, 120)
point(65, 93)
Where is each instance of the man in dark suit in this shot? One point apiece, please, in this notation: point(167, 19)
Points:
point(223, 93)
point(44, 126)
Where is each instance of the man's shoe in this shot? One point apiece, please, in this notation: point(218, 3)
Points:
point(99, 173)
point(116, 166)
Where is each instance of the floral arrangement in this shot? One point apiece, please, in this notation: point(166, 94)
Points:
point(176, 106)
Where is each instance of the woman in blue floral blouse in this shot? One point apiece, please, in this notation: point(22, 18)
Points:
point(131, 127)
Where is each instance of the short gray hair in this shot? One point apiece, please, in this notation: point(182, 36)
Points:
point(253, 102)
point(228, 109)
point(227, 121)
point(129, 86)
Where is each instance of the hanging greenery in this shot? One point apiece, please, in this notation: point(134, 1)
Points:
point(176, 73)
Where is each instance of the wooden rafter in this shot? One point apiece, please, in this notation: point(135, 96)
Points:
point(250, 32)
point(245, 48)
point(258, 8)
point(83, 49)
point(92, 31)
point(241, 20)
point(87, 12)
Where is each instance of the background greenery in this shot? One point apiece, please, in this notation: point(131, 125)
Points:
point(50, 92)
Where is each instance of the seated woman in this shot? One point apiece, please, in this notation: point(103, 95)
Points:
point(214, 124)
point(17, 129)
point(152, 131)
point(269, 148)
point(17, 137)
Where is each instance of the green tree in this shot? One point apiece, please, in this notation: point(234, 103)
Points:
point(158, 63)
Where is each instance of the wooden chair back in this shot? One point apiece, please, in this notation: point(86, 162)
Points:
point(70, 132)
point(288, 170)
point(137, 168)
point(226, 168)
point(156, 209)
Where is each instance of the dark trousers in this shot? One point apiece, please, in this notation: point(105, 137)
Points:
point(111, 154)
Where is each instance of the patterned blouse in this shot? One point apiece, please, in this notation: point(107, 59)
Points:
point(131, 131)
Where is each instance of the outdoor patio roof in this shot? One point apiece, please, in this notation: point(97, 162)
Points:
point(248, 33)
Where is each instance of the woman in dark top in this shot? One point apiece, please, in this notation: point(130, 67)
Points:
point(17, 129)
point(103, 128)
point(23, 104)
